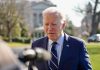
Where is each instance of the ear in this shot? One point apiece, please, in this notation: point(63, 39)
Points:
point(64, 24)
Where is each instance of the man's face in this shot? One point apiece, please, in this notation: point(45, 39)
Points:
point(52, 26)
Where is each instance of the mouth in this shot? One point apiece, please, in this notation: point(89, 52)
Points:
point(51, 33)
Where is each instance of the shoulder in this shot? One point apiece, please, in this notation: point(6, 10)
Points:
point(74, 40)
point(40, 42)
point(78, 42)
point(77, 39)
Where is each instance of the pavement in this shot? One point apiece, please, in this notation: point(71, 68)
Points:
point(18, 50)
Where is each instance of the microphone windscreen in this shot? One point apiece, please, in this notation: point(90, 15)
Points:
point(29, 54)
point(43, 54)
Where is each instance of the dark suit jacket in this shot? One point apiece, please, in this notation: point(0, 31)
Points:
point(74, 55)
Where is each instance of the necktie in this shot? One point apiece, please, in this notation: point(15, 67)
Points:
point(54, 59)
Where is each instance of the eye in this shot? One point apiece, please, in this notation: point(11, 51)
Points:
point(54, 24)
point(46, 24)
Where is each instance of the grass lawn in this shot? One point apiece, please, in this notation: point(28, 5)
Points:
point(95, 60)
point(14, 44)
point(94, 52)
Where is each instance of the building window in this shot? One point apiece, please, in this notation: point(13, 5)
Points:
point(35, 19)
point(41, 18)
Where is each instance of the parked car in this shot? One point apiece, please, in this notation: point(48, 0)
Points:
point(94, 38)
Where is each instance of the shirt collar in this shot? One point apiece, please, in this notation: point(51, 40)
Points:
point(61, 39)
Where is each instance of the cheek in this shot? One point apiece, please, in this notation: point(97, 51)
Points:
point(45, 29)
point(61, 27)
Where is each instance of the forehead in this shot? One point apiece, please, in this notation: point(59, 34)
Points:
point(51, 17)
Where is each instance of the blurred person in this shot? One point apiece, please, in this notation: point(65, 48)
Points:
point(69, 52)
point(8, 60)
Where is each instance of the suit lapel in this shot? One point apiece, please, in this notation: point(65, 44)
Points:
point(45, 43)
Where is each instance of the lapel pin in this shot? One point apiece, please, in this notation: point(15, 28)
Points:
point(67, 45)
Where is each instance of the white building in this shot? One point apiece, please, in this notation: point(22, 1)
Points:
point(35, 19)
point(32, 12)
point(37, 8)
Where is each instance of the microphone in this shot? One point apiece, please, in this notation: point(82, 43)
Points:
point(34, 54)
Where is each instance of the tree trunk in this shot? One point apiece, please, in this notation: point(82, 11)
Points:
point(9, 35)
point(94, 25)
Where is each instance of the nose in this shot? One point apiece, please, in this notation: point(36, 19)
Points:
point(50, 27)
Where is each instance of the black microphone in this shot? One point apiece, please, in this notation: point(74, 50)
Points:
point(34, 54)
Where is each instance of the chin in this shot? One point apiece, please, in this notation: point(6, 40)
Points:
point(52, 38)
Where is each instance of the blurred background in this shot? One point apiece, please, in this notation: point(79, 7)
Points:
point(21, 23)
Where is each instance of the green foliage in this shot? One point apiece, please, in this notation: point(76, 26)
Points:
point(98, 31)
point(10, 21)
point(21, 40)
point(69, 29)
point(24, 31)
point(16, 31)
point(5, 38)
point(18, 44)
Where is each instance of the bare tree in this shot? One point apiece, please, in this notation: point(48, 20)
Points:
point(9, 17)
point(95, 16)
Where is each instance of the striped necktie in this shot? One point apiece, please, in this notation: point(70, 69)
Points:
point(54, 59)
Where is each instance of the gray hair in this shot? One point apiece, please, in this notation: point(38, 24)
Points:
point(56, 11)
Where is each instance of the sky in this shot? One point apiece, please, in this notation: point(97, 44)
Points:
point(68, 6)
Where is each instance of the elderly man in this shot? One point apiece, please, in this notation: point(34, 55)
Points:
point(68, 52)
